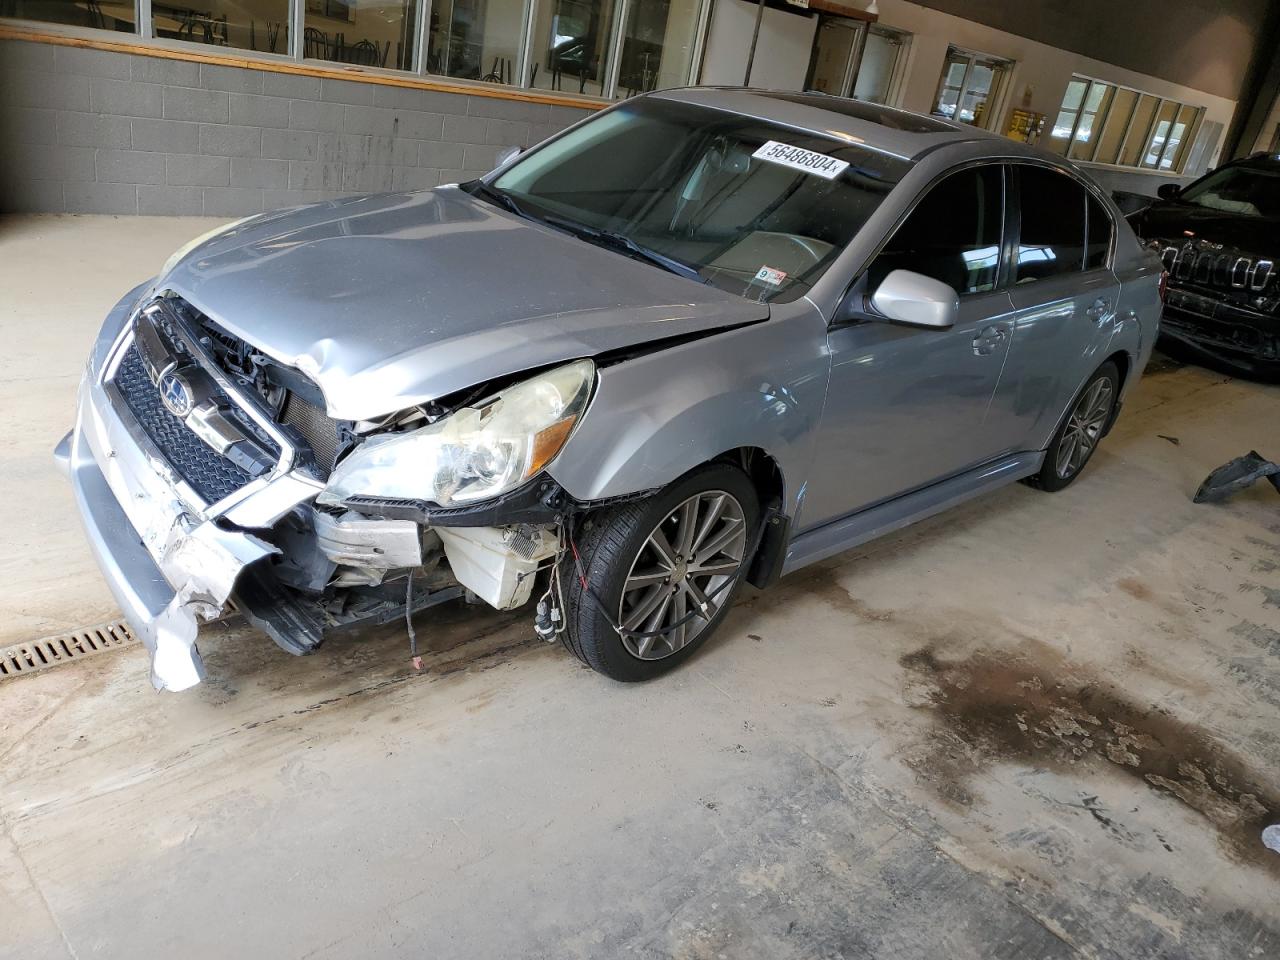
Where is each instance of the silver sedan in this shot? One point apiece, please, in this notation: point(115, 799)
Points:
point(705, 337)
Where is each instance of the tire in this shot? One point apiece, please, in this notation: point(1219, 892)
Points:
point(1082, 429)
point(617, 553)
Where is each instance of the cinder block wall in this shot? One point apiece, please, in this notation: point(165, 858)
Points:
point(93, 131)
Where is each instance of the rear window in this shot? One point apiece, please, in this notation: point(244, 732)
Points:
point(1099, 236)
point(1052, 238)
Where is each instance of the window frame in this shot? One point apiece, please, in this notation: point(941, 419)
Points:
point(856, 286)
point(1090, 190)
point(995, 97)
point(1103, 117)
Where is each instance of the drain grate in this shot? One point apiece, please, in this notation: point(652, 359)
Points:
point(24, 658)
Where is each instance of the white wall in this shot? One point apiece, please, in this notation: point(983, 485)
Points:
point(1038, 81)
point(782, 53)
point(1040, 74)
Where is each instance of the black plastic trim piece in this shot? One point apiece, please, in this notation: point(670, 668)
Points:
point(295, 626)
point(540, 501)
point(766, 568)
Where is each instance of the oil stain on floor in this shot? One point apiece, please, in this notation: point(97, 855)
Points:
point(1005, 707)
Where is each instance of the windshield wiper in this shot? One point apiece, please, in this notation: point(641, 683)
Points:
point(624, 244)
point(494, 195)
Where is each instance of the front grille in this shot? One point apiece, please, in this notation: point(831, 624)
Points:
point(317, 428)
point(207, 472)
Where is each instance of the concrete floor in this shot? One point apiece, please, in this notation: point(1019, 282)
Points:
point(1039, 726)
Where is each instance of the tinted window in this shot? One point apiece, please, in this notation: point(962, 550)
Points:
point(1099, 237)
point(1052, 238)
point(952, 235)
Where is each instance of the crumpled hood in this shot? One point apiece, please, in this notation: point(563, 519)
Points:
point(394, 299)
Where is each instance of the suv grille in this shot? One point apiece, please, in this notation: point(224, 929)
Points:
point(208, 473)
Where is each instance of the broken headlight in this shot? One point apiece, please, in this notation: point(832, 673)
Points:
point(476, 452)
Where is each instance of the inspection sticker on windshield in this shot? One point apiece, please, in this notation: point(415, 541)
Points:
point(798, 158)
point(771, 275)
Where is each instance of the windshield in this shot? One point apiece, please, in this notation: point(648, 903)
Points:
point(752, 207)
point(1244, 191)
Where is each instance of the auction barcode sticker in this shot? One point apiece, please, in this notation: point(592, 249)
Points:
point(798, 158)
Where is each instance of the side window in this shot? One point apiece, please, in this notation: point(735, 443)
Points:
point(952, 235)
point(1098, 243)
point(1052, 238)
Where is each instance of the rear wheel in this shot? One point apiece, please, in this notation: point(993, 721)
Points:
point(1078, 437)
point(665, 569)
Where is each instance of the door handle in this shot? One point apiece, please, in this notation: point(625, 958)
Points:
point(986, 342)
point(1100, 310)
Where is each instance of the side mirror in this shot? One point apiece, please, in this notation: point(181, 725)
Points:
point(1168, 191)
point(912, 298)
point(505, 156)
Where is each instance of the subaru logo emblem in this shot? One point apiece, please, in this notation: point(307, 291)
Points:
point(176, 395)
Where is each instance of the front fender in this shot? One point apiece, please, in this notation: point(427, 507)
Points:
point(657, 416)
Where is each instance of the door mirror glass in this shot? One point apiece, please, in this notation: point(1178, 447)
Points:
point(912, 298)
point(1168, 191)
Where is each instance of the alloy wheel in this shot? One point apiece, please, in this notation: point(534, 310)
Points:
point(696, 549)
point(1084, 428)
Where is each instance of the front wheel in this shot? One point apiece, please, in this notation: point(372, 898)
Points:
point(664, 569)
point(1076, 440)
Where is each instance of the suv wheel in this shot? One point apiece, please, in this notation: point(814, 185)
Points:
point(1078, 437)
point(653, 565)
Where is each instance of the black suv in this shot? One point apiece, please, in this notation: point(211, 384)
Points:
point(1219, 238)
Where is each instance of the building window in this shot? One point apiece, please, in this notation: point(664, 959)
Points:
point(658, 45)
point(115, 15)
point(475, 39)
point(261, 25)
point(367, 33)
point(599, 48)
point(1105, 123)
point(571, 48)
point(969, 87)
point(835, 44)
point(883, 60)
point(850, 58)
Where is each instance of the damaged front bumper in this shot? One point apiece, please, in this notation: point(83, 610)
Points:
point(172, 559)
point(166, 565)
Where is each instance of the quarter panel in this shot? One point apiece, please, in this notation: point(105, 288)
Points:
point(655, 417)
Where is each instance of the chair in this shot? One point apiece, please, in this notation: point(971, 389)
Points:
point(364, 53)
point(315, 44)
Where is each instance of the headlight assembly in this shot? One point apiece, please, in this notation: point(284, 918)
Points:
point(476, 452)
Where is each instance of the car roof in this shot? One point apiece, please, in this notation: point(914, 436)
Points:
point(902, 133)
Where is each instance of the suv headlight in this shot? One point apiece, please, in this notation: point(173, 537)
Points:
point(474, 453)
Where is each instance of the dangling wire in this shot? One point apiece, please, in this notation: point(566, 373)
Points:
point(408, 622)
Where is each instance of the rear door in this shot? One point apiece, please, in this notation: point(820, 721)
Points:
point(1065, 298)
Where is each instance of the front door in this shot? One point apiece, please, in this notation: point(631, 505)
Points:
point(907, 406)
point(1065, 297)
